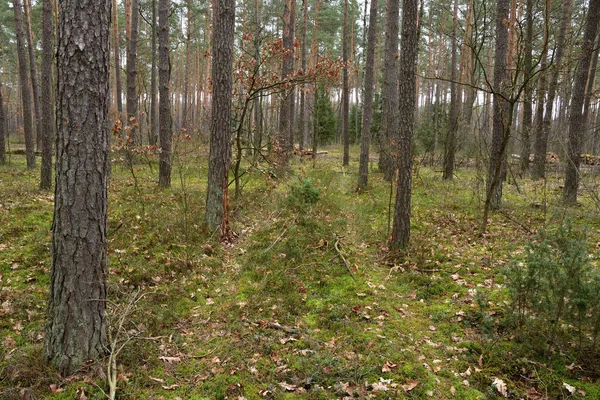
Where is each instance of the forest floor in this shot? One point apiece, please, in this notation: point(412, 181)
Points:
point(305, 302)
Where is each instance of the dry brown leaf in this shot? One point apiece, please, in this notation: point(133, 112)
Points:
point(410, 385)
point(500, 387)
point(388, 366)
point(170, 360)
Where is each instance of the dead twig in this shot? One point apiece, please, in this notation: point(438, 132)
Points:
point(337, 249)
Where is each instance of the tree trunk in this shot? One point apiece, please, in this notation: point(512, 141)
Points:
point(153, 110)
point(363, 168)
point(117, 55)
point(33, 74)
point(47, 105)
point(285, 139)
point(389, 116)
point(186, 67)
point(220, 135)
point(164, 102)
point(501, 120)
point(527, 102)
point(406, 112)
point(302, 120)
point(132, 100)
point(76, 330)
point(576, 122)
point(345, 90)
point(2, 129)
point(24, 80)
point(450, 144)
point(541, 139)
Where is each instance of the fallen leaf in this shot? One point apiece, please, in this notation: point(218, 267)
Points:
point(170, 387)
point(500, 387)
point(388, 366)
point(55, 389)
point(570, 389)
point(159, 380)
point(287, 387)
point(170, 360)
point(410, 385)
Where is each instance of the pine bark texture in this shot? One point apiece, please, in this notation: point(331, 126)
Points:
point(286, 115)
point(47, 105)
point(345, 90)
point(24, 81)
point(220, 135)
point(576, 121)
point(450, 144)
point(164, 102)
point(527, 102)
point(302, 120)
point(76, 329)
point(132, 101)
point(367, 117)
point(2, 129)
point(389, 111)
point(153, 84)
point(33, 74)
point(117, 55)
point(406, 112)
point(501, 118)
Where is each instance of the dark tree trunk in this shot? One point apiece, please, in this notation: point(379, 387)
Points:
point(576, 121)
point(24, 80)
point(501, 120)
point(345, 90)
point(450, 144)
point(286, 134)
point(220, 135)
point(302, 120)
point(164, 102)
point(363, 168)
point(2, 129)
point(117, 55)
point(527, 102)
point(389, 111)
point(33, 74)
point(153, 109)
point(132, 100)
point(406, 112)
point(76, 330)
point(47, 106)
point(541, 140)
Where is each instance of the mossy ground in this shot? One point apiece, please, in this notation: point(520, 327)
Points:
point(277, 312)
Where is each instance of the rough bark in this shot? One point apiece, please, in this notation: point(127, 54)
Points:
point(2, 129)
point(33, 74)
point(164, 102)
point(363, 168)
point(24, 81)
point(576, 121)
point(406, 113)
point(345, 90)
point(527, 101)
point(132, 100)
point(220, 135)
point(541, 140)
point(302, 120)
point(186, 67)
point(47, 105)
point(76, 329)
point(389, 116)
point(501, 120)
point(450, 144)
point(285, 139)
point(153, 138)
point(117, 56)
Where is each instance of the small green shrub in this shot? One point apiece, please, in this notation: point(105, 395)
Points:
point(303, 195)
point(555, 289)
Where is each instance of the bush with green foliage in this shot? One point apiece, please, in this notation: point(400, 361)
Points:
point(555, 289)
point(303, 195)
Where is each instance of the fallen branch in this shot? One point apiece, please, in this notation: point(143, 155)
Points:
point(275, 242)
point(337, 249)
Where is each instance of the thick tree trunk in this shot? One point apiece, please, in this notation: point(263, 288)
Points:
point(406, 112)
point(47, 105)
point(117, 55)
point(153, 109)
point(501, 121)
point(541, 140)
point(33, 75)
point(285, 139)
point(450, 144)
point(24, 80)
point(345, 90)
point(576, 122)
point(76, 330)
point(363, 168)
point(164, 103)
point(132, 100)
point(389, 112)
point(527, 102)
point(220, 135)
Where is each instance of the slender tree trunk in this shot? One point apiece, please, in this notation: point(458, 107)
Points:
point(406, 112)
point(2, 128)
point(117, 55)
point(527, 103)
point(33, 74)
point(153, 109)
point(302, 120)
point(186, 66)
point(164, 102)
point(541, 140)
point(590, 88)
point(286, 143)
point(576, 121)
point(47, 105)
point(132, 99)
point(345, 90)
point(220, 145)
point(24, 79)
point(450, 151)
point(363, 168)
point(258, 128)
point(76, 330)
